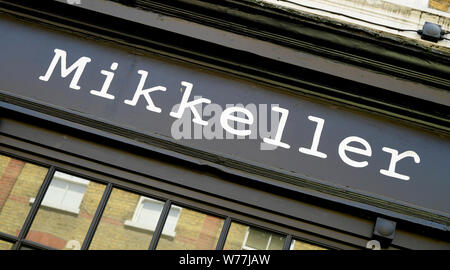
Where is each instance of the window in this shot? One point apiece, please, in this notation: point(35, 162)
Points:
point(76, 201)
point(247, 237)
point(257, 239)
point(116, 231)
point(65, 192)
point(147, 213)
point(5, 245)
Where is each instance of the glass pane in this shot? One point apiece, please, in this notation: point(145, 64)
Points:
point(257, 238)
point(5, 245)
point(276, 242)
point(186, 229)
point(128, 222)
point(62, 223)
point(19, 183)
point(247, 237)
point(300, 245)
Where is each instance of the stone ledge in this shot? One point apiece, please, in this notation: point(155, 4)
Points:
point(372, 15)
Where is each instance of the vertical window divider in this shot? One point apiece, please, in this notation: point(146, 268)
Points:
point(96, 219)
point(160, 225)
point(223, 234)
point(287, 242)
point(34, 208)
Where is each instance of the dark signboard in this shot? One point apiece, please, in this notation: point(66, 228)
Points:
point(228, 116)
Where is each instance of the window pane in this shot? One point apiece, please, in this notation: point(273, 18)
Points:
point(5, 245)
point(19, 182)
point(247, 237)
point(63, 224)
point(128, 222)
point(276, 242)
point(55, 193)
point(300, 245)
point(257, 238)
point(186, 229)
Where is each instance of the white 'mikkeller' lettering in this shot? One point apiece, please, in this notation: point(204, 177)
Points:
point(277, 140)
point(191, 105)
point(396, 158)
point(109, 77)
point(343, 147)
point(228, 115)
point(315, 143)
point(140, 91)
point(79, 66)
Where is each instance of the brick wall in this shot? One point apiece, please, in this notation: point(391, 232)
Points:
point(235, 237)
point(53, 227)
point(194, 231)
point(5, 245)
point(21, 182)
point(112, 232)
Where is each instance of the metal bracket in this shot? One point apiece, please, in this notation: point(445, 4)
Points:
point(384, 231)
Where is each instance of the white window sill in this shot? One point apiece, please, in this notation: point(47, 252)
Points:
point(144, 227)
point(59, 207)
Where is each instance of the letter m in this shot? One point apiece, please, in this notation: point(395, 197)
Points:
point(79, 66)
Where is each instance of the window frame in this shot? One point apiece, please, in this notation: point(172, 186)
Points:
point(71, 181)
point(134, 223)
point(247, 233)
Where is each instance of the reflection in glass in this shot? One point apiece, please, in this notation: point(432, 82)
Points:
point(186, 229)
point(300, 245)
point(19, 182)
point(251, 238)
point(128, 222)
point(5, 245)
point(66, 212)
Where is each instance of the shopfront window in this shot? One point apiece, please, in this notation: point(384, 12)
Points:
point(19, 183)
point(186, 229)
point(66, 212)
point(77, 210)
point(244, 237)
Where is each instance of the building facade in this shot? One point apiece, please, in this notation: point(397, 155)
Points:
point(240, 125)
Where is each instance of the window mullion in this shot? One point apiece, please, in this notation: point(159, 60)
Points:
point(287, 242)
point(34, 207)
point(224, 233)
point(160, 225)
point(97, 217)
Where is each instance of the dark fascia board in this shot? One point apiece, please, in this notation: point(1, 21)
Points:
point(421, 110)
point(323, 194)
point(412, 220)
